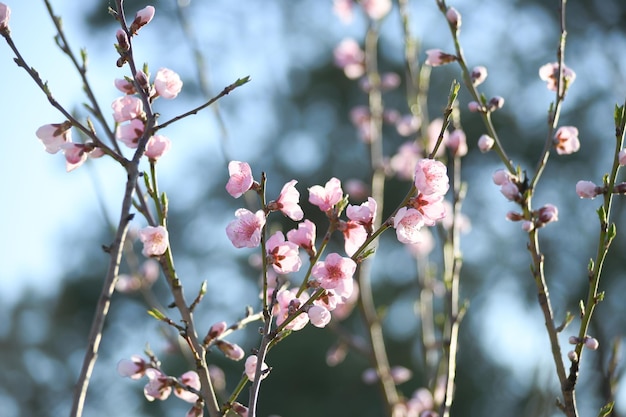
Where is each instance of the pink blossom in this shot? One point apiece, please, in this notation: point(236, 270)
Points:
point(454, 17)
point(123, 45)
point(5, 15)
point(510, 190)
point(245, 230)
point(289, 201)
point(142, 18)
point(240, 179)
point(286, 306)
point(343, 9)
point(158, 387)
point(230, 350)
point(319, 316)
point(130, 133)
point(283, 255)
point(75, 155)
point(216, 330)
point(326, 197)
point(364, 213)
point(343, 309)
point(304, 235)
point(54, 136)
point(155, 240)
point(127, 108)
point(167, 83)
point(134, 368)
point(566, 140)
point(350, 57)
point(157, 146)
point(334, 272)
point(436, 57)
point(550, 73)
point(125, 86)
point(485, 143)
point(478, 75)
point(587, 189)
point(548, 213)
point(354, 234)
point(192, 380)
point(251, 367)
point(376, 9)
point(431, 177)
point(501, 176)
point(408, 222)
point(404, 161)
point(457, 143)
point(431, 207)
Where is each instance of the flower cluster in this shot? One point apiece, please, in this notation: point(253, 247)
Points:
point(160, 385)
point(427, 207)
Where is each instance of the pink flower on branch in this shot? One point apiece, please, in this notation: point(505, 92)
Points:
point(550, 74)
point(191, 380)
point(167, 83)
point(319, 316)
point(134, 368)
point(436, 58)
point(142, 18)
point(75, 155)
point(125, 86)
point(335, 273)
point(157, 146)
point(127, 108)
point(364, 213)
point(304, 236)
point(431, 177)
point(328, 196)
point(251, 366)
point(354, 234)
point(5, 15)
point(155, 240)
point(408, 222)
point(54, 136)
point(566, 140)
point(587, 189)
point(288, 202)
point(158, 387)
point(287, 304)
point(245, 230)
point(431, 207)
point(376, 9)
point(130, 133)
point(240, 179)
point(283, 255)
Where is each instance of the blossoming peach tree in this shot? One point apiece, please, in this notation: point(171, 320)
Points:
point(302, 280)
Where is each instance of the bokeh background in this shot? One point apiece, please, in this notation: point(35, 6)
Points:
point(292, 121)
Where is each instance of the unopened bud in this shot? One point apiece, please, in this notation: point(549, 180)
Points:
point(475, 107)
point(478, 75)
point(495, 103)
point(123, 45)
point(5, 15)
point(591, 343)
point(572, 356)
point(485, 143)
point(454, 17)
point(231, 350)
point(573, 340)
point(528, 226)
point(548, 213)
point(240, 409)
point(514, 216)
point(142, 18)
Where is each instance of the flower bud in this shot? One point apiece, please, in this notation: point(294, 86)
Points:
point(478, 75)
point(454, 17)
point(528, 226)
point(548, 213)
point(5, 15)
point(572, 356)
point(215, 331)
point(514, 216)
point(436, 57)
point(587, 189)
point(457, 143)
point(573, 340)
point(142, 18)
point(230, 350)
point(495, 103)
point(621, 157)
point(485, 143)
point(123, 44)
point(591, 343)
